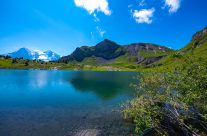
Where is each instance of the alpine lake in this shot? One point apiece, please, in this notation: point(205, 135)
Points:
point(64, 103)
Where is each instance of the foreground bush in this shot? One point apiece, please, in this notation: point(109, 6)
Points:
point(173, 103)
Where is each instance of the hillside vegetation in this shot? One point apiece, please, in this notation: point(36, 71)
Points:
point(196, 50)
point(174, 102)
point(109, 53)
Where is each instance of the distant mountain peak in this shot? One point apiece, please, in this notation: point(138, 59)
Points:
point(48, 51)
point(106, 42)
point(109, 41)
point(34, 55)
point(107, 45)
point(24, 49)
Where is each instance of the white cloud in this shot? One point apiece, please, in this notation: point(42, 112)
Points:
point(100, 31)
point(144, 15)
point(173, 5)
point(94, 5)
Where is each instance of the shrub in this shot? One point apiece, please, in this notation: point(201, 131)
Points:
point(171, 103)
point(177, 55)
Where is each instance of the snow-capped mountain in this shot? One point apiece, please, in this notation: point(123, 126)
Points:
point(34, 55)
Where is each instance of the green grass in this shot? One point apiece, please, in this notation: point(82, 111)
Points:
point(21, 64)
point(150, 54)
point(180, 57)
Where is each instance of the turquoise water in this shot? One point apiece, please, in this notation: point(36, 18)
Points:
point(63, 103)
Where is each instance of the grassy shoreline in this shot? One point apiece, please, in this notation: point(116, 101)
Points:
point(40, 65)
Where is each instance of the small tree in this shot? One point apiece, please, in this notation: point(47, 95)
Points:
point(26, 63)
point(7, 57)
point(14, 61)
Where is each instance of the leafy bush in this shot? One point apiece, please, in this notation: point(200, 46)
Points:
point(131, 67)
point(176, 55)
point(173, 103)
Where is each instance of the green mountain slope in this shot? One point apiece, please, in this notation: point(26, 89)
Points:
point(109, 53)
point(196, 50)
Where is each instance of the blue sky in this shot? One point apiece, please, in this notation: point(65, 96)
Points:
point(63, 25)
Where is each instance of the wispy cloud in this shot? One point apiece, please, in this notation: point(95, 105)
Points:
point(130, 5)
point(143, 16)
point(94, 6)
point(96, 19)
point(100, 31)
point(173, 5)
point(92, 36)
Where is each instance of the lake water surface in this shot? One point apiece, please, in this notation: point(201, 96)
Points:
point(63, 103)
